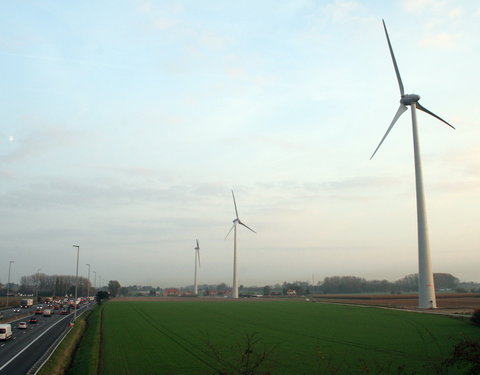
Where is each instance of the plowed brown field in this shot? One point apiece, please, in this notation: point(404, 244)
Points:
point(455, 303)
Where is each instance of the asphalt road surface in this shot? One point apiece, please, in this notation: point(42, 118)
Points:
point(8, 313)
point(27, 346)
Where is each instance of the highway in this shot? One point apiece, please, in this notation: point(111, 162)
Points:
point(27, 346)
point(8, 313)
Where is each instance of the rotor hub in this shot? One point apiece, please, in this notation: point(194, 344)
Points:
point(408, 99)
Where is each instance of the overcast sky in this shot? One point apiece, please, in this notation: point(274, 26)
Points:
point(125, 124)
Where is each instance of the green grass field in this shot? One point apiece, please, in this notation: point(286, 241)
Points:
point(302, 338)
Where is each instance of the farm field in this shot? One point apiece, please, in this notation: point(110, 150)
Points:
point(204, 337)
point(455, 302)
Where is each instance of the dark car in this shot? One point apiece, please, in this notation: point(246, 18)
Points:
point(33, 320)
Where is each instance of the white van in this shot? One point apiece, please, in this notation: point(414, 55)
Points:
point(47, 312)
point(5, 331)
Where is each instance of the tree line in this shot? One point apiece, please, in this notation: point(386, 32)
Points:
point(58, 285)
point(354, 284)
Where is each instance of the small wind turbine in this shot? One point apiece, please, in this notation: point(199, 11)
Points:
point(197, 260)
point(234, 227)
point(426, 295)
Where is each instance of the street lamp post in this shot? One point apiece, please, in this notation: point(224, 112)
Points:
point(8, 284)
point(36, 289)
point(88, 285)
point(76, 286)
point(95, 283)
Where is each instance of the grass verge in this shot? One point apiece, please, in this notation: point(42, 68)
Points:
point(87, 355)
point(60, 361)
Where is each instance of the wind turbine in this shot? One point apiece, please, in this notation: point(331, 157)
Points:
point(234, 227)
point(426, 288)
point(197, 260)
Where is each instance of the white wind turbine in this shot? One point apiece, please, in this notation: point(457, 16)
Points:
point(426, 295)
point(197, 260)
point(234, 227)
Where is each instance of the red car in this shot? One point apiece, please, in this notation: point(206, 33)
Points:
point(33, 320)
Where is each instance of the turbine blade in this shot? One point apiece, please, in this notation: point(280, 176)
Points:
point(198, 252)
point(235, 203)
point(397, 72)
point(198, 246)
point(400, 110)
point(229, 232)
point(246, 227)
point(421, 108)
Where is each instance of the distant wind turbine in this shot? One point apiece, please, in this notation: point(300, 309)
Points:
point(197, 260)
point(426, 295)
point(234, 227)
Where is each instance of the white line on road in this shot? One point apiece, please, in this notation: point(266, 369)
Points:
point(25, 348)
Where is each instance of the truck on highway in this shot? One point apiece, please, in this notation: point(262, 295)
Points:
point(5, 331)
point(47, 312)
point(26, 303)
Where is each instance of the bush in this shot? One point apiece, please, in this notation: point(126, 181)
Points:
point(250, 358)
point(475, 319)
point(465, 356)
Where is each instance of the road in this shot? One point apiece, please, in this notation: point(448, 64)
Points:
point(8, 313)
point(27, 346)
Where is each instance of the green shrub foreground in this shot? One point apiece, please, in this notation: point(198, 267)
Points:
point(273, 337)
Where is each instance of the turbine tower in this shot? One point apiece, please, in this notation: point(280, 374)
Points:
point(234, 227)
point(426, 288)
point(197, 260)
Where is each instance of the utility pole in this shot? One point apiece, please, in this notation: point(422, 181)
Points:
point(88, 285)
point(76, 287)
point(36, 289)
point(8, 284)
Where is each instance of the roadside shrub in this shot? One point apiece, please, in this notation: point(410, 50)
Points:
point(250, 358)
point(475, 319)
point(465, 356)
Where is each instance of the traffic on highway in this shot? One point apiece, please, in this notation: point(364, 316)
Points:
point(31, 332)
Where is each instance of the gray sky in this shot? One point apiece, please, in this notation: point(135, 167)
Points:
point(124, 125)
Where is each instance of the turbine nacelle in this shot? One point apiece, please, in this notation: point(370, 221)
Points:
point(408, 99)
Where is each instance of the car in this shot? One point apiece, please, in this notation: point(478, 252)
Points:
point(33, 320)
point(22, 325)
point(64, 312)
point(16, 310)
